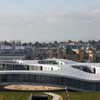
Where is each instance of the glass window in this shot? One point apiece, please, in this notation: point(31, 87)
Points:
point(48, 62)
point(84, 68)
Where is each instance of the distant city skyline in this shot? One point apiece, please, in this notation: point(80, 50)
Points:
point(49, 20)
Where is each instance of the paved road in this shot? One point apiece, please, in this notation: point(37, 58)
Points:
point(55, 96)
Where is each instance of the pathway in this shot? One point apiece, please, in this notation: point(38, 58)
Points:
point(55, 96)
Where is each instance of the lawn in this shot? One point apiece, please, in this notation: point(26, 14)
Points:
point(73, 95)
point(14, 96)
point(81, 95)
point(18, 95)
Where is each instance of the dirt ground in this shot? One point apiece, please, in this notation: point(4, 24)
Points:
point(31, 87)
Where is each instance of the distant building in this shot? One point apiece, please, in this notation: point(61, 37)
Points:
point(91, 55)
point(17, 53)
point(98, 56)
point(52, 52)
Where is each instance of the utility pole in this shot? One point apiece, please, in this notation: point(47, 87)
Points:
point(30, 97)
point(67, 93)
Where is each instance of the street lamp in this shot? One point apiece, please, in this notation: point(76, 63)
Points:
point(67, 93)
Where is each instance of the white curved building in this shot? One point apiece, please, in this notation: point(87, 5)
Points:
point(55, 72)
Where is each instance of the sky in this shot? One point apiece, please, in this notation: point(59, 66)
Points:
point(49, 20)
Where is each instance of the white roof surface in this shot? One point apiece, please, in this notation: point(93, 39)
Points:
point(66, 70)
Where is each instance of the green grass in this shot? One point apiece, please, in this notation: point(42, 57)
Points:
point(18, 95)
point(81, 95)
point(73, 95)
point(85, 96)
point(14, 96)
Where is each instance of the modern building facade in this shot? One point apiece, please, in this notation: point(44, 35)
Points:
point(53, 72)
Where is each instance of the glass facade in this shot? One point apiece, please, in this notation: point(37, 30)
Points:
point(84, 68)
point(50, 80)
point(13, 67)
point(19, 67)
point(48, 62)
